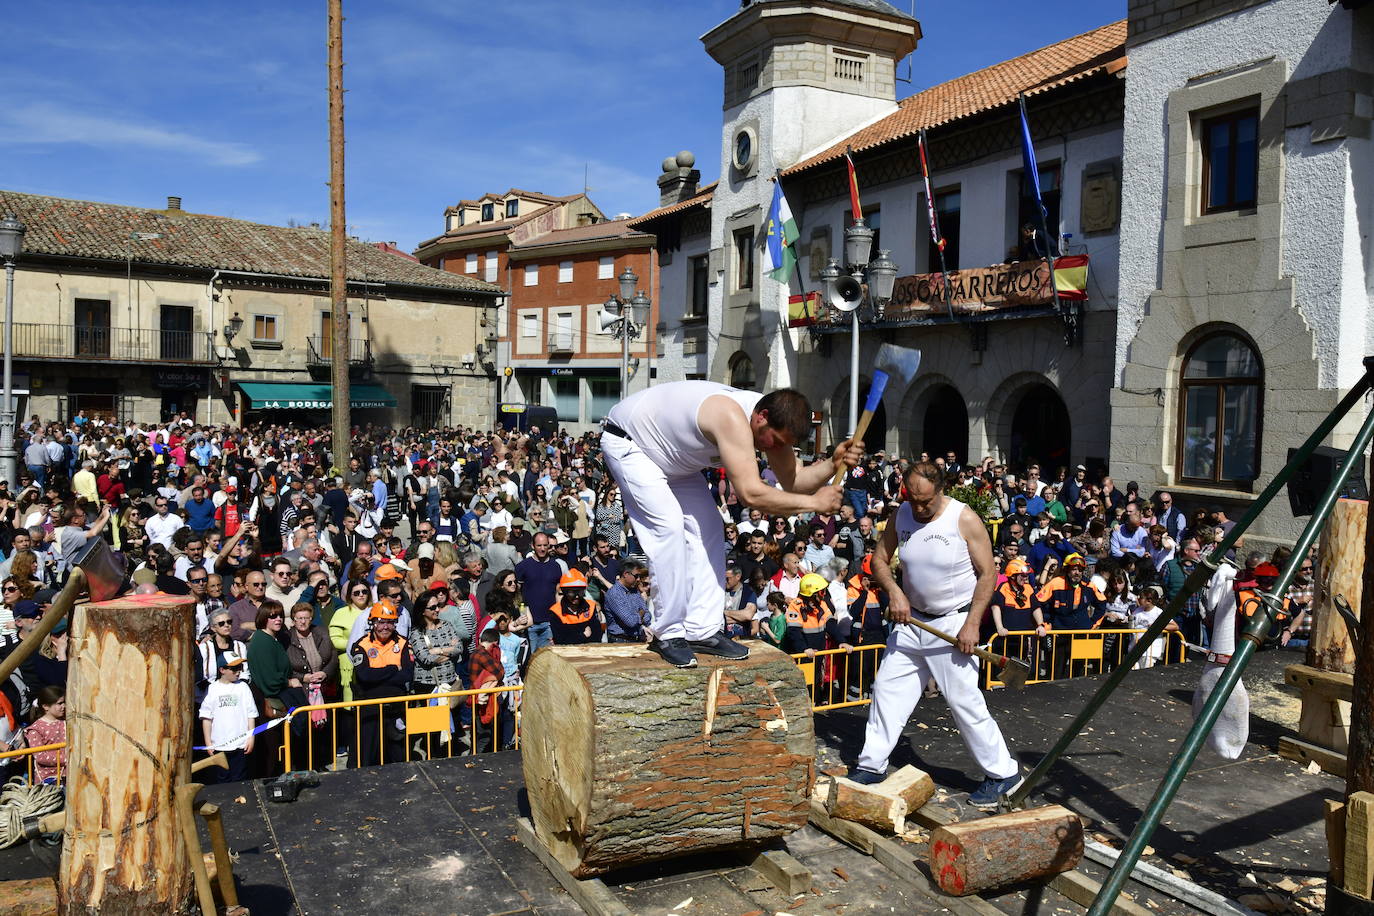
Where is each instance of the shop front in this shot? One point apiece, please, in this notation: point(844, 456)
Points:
point(307, 403)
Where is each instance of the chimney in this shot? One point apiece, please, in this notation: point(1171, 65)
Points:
point(679, 180)
point(173, 203)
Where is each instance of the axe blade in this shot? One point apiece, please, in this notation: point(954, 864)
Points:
point(1014, 674)
point(899, 363)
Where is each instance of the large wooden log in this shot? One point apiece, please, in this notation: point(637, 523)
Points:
point(129, 737)
point(628, 760)
point(974, 856)
point(1359, 771)
point(883, 806)
point(1339, 570)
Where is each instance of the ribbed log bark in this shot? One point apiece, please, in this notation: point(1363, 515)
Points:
point(884, 806)
point(129, 733)
point(628, 760)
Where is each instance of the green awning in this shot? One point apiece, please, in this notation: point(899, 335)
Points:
point(304, 396)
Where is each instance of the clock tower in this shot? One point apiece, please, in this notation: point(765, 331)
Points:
point(799, 75)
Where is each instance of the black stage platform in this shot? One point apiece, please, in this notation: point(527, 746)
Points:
point(438, 837)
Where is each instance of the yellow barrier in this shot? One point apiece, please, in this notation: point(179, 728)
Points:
point(29, 756)
point(1062, 654)
point(840, 678)
point(413, 720)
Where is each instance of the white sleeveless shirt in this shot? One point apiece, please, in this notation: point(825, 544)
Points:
point(937, 574)
point(662, 421)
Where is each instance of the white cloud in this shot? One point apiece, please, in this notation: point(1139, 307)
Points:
point(43, 124)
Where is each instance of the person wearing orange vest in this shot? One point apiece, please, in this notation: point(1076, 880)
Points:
point(1076, 605)
point(868, 624)
point(1248, 601)
point(811, 619)
point(382, 667)
point(576, 618)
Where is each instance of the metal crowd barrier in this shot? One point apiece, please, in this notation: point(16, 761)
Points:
point(1061, 654)
point(840, 678)
point(27, 757)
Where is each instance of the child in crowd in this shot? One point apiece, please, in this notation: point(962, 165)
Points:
point(775, 627)
point(49, 727)
point(227, 717)
point(1146, 612)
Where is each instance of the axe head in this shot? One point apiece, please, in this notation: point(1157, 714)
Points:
point(894, 366)
point(1014, 674)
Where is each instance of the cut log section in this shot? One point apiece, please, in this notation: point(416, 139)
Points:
point(974, 856)
point(129, 746)
point(884, 806)
point(629, 760)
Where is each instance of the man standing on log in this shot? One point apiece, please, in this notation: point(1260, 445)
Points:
point(948, 580)
point(656, 444)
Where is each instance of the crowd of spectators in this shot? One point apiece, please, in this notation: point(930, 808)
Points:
point(430, 561)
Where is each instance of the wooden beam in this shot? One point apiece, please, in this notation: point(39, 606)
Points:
point(781, 870)
point(1083, 890)
point(591, 894)
point(1359, 844)
point(1335, 842)
point(1304, 752)
point(1334, 684)
point(851, 834)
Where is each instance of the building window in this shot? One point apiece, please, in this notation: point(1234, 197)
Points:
point(567, 397)
point(847, 67)
point(443, 262)
point(744, 258)
point(488, 212)
point(462, 217)
point(747, 78)
point(604, 393)
point(529, 325)
point(565, 271)
point(512, 209)
point(742, 372)
point(1219, 430)
point(1230, 161)
point(470, 265)
point(452, 223)
point(1028, 215)
point(531, 274)
point(265, 328)
point(605, 268)
point(493, 264)
point(947, 210)
point(698, 297)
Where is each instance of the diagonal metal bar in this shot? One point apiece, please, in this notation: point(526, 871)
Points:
point(1251, 638)
point(1194, 582)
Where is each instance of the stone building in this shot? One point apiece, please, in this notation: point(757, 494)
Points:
point(804, 83)
point(557, 259)
point(1244, 308)
point(127, 311)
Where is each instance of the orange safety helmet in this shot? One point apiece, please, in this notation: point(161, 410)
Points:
point(1074, 559)
point(383, 610)
point(573, 578)
point(867, 565)
point(1017, 565)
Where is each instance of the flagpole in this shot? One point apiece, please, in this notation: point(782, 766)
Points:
point(1044, 219)
point(935, 227)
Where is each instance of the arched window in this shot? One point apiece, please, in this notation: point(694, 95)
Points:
point(742, 372)
point(1219, 426)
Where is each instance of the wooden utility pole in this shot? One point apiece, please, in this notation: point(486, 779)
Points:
point(338, 242)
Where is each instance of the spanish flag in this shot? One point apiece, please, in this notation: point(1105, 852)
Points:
point(1071, 276)
point(853, 188)
point(802, 310)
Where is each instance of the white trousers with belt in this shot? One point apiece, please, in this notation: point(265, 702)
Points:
point(682, 534)
point(912, 658)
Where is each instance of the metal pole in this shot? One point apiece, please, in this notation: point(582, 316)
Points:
point(338, 247)
point(7, 457)
point(624, 351)
point(853, 371)
point(1250, 640)
point(1197, 580)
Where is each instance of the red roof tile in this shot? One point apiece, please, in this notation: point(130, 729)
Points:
point(701, 198)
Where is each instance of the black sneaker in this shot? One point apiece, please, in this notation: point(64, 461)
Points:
point(721, 645)
point(675, 652)
point(865, 777)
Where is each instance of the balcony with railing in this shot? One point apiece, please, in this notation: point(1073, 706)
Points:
point(562, 340)
point(320, 351)
point(98, 342)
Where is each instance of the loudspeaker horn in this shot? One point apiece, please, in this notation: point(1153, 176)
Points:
point(606, 320)
point(848, 293)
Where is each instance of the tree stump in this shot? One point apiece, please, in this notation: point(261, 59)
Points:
point(629, 760)
point(883, 806)
point(973, 856)
point(1339, 569)
point(129, 745)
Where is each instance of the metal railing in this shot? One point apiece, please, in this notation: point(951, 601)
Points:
point(840, 678)
point(67, 341)
point(28, 757)
point(1062, 654)
point(320, 350)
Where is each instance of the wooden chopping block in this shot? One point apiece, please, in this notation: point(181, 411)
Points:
point(974, 856)
point(629, 760)
point(884, 806)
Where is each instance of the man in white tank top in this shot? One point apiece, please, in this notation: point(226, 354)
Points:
point(656, 444)
point(948, 580)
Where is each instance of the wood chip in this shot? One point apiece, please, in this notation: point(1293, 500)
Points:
point(684, 904)
point(1288, 884)
point(844, 875)
point(1313, 767)
point(752, 913)
point(240, 800)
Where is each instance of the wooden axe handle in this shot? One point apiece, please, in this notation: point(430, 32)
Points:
point(999, 660)
point(864, 419)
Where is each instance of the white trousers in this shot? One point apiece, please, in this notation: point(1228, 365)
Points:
point(681, 532)
point(912, 658)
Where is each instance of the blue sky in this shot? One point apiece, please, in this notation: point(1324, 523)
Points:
point(224, 104)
